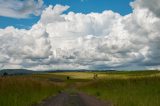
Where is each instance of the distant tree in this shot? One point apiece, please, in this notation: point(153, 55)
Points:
point(68, 77)
point(5, 74)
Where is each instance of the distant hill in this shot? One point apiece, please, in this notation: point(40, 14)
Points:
point(16, 71)
point(26, 72)
point(79, 70)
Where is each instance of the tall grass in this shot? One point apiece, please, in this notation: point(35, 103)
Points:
point(143, 91)
point(121, 88)
point(24, 91)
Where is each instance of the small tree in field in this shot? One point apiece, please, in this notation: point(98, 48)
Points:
point(5, 74)
point(68, 77)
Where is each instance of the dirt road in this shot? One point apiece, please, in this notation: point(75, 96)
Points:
point(77, 99)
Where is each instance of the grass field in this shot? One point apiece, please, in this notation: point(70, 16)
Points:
point(133, 91)
point(121, 88)
point(25, 90)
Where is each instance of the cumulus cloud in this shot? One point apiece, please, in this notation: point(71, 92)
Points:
point(104, 40)
point(20, 8)
point(152, 5)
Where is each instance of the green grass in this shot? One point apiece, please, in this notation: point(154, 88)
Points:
point(130, 91)
point(25, 90)
point(121, 88)
point(111, 75)
point(131, 88)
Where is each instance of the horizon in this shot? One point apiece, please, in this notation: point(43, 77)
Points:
point(80, 70)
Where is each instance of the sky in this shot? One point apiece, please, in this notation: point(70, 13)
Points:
point(80, 34)
point(78, 6)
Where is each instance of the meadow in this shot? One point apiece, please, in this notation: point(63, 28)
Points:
point(26, 90)
point(128, 90)
point(137, 88)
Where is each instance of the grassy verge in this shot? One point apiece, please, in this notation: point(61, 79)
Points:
point(127, 92)
point(25, 90)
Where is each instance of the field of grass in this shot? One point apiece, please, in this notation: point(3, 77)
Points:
point(121, 88)
point(127, 88)
point(26, 90)
point(131, 92)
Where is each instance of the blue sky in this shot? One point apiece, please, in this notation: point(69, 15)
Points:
point(77, 6)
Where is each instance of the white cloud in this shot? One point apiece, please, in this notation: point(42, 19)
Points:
point(152, 5)
point(104, 40)
point(20, 8)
